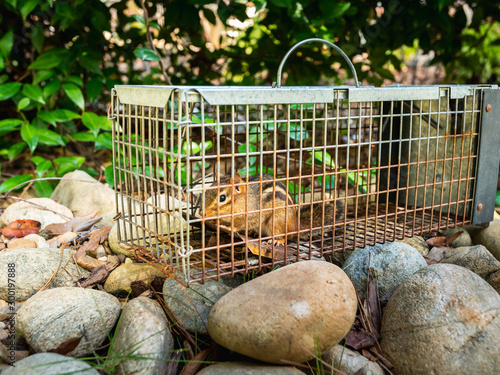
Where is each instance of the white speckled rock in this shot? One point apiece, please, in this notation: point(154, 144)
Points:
point(54, 316)
point(350, 362)
point(25, 210)
point(143, 332)
point(83, 194)
point(391, 263)
point(33, 268)
point(444, 319)
point(248, 368)
point(50, 364)
point(290, 313)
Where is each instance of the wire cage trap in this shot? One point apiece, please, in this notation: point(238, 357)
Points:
point(217, 181)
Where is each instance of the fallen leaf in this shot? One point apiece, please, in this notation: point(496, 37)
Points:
point(21, 228)
point(453, 237)
point(97, 237)
point(436, 241)
point(99, 274)
point(78, 224)
point(67, 346)
point(194, 364)
point(373, 306)
point(360, 339)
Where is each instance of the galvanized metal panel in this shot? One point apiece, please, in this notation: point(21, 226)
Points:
point(393, 93)
point(488, 158)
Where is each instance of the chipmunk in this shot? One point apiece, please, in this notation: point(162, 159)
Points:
point(247, 202)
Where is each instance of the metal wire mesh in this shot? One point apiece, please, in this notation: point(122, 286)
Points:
point(389, 167)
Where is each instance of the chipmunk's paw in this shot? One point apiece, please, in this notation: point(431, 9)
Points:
point(276, 242)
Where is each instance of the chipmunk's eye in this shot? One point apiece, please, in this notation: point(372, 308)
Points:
point(222, 198)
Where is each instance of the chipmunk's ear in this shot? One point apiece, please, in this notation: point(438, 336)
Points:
point(236, 180)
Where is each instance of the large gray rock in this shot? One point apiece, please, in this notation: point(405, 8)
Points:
point(33, 268)
point(488, 237)
point(54, 316)
point(83, 194)
point(444, 319)
point(50, 364)
point(143, 332)
point(291, 313)
point(192, 305)
point(26, 210)
point(350, 362)
point(418, 243)
point(390, 263)
point(119, 280)
point(477, 259)
point(248, 368)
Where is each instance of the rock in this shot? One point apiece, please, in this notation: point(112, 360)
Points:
point(83, 194)
point(290, 313)
point(119, 279)
point(477, 259)
point(488, 237)
point(181, 299)
point(248, 368)
point(9, 311)
point(143, 331)
point(350, 362)
point(25, 210)
point(418, 243)
point(50, 364)
point(390, 263)
point(21, 243)
point(34, 267)
point(40, 241)
point(462, 240)
point(444, 319)
point(54, 316)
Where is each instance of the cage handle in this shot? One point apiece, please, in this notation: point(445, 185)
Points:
point(328, 43)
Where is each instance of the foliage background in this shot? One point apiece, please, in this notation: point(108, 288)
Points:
point(59, 60)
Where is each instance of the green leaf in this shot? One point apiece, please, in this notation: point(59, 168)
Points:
point(51, 88)
point(43, 167)
point(104, 140)
point(6, 43)
point(33, 92)
point(242, 149)
point(74, 79)
point(58, 115)
point(109, 174)
point(23, 103)
point(8, 90)
point(13, 182)
point(139, 18)
point(77, 161)
point(146, 54)
point(84, 137)
point(296, 133)
point(43, 188)
point(330, 9)
point(50, 59)
point(37, 37)
point(94, 87)
point(50, 138)
point(282, 3)
point(29, 134)
point(94, 122)
point(3, 78)
point(75, 94)
point(28, 7)
point(9, 124)
point(497, 200)
point(90, 63)
point(16, 150)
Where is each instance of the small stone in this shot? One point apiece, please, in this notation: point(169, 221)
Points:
point(40, 241)
point(418, 243)
point(82, 194)
point(9, 311)
point(291, 313)
point(119, 279)
point(50, 364)
point(444, 319)
point(488, 237)
point(462, 240)
point(390, 263)
point(21, 243)
point(144, 332)
point(180, 300)
point(25, 210)
point(477, 259)
point(350, 362)
point(33, 268)
point(248, 368)
point(54, 316)
point(61, 239)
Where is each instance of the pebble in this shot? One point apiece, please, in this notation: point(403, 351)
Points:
point(119, 280)
point(192, 305)
point(248, 368)
point(52, 317)
point(25, 210)
point(33, 268)
point(390, 263)
point(350, 362)
point(21, 243)
point(418, 243)
point(82, 194)
point(143, 331)
point(290, 313)
point(50, 364)
point(444, 319)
